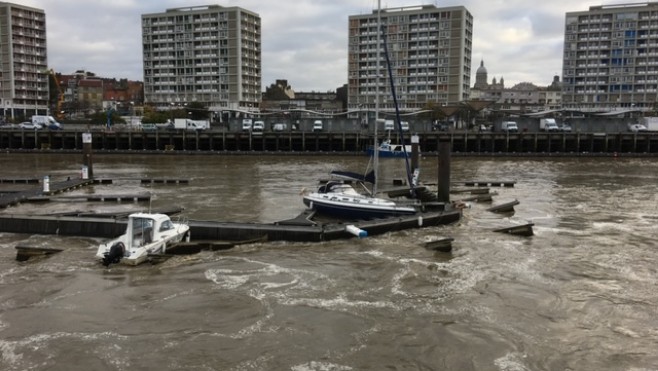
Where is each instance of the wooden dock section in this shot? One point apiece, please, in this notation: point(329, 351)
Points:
point(507, 207)
point(24, 253)
point(20, 181)
point(164, 181)
point(14, 198)
point(225, 231)
point(107, 197)
point(443, 244)
point(518, 230)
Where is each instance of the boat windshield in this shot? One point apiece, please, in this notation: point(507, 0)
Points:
point(166, 225)
point(142, 231)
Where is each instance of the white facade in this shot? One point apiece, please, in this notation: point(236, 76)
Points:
point(209, 54)
point(24, 88)
point(430, 53)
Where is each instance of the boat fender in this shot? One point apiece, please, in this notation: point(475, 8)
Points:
point(356, 231)
point(114, 256)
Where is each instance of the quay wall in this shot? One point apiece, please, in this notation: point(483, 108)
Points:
point(462, 142)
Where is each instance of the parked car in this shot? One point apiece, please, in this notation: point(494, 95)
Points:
point(55, 126)
point(29, 125)
point(279, 127)
point(440, 125)
point(258, 128)
point(637, 127)
point(149, 127)
point(566, 128)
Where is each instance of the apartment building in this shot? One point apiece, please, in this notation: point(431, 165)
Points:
point(611, 58)
point(429, 50)
point(208, 54)
point(24, 72)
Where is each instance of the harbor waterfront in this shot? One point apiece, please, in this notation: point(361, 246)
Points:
point(464, 142)
point(577, 295)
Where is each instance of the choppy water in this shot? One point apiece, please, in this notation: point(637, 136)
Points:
point(581, 294)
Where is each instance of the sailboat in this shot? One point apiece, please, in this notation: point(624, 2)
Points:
point(340, 199)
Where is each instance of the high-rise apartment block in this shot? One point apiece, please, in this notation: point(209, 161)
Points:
point(208, 54)
point(429, 50)
point(24, 89)
point(611, 58)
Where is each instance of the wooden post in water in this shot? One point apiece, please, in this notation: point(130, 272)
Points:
point(444, 171)
point(86, 155)
point(414, 153)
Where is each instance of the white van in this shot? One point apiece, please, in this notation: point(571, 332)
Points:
point(246, 124)
point(390, 125)
point(317, 125)
point(258, 128)
point(279, 127)
point(509, 126)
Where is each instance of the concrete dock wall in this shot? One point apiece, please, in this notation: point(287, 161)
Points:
point(467, 142)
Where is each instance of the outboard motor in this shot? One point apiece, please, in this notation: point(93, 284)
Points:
point(116, 253)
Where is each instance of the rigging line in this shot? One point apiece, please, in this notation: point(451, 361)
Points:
point(397, 116)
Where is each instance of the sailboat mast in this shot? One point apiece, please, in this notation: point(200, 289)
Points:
point(375, 163)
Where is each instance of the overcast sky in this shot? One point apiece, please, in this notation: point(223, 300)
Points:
point(305, 41)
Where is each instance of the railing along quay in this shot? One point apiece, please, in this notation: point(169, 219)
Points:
point(476, 143)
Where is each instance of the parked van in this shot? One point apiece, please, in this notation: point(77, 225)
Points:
point(548, 125)
point(258, 128)
point(390, 125)
point(279, 127)
point(317, 125)
point(509, 126)
point(246, 124)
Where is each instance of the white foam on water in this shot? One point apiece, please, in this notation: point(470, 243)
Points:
point(339, 303)
point(280, 277)
point(11, 350)
point(511, 362)
point(320, 366)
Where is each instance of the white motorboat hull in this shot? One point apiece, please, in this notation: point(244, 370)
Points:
point(134, 246)
point(355, 207)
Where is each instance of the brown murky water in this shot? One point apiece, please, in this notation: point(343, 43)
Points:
point(578, 295)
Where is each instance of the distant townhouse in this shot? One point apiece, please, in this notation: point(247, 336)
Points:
point(208, 54)
point(430, 53)
point(24, 75)
point(280, 97)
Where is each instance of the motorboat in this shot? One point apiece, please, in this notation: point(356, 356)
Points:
point(342, 200)
point(390, 150)
point(146, 233)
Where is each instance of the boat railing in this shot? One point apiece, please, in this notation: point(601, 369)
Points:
point(180, 219)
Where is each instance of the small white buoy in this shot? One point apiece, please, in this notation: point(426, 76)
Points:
point(46, 184)
point(356, 231)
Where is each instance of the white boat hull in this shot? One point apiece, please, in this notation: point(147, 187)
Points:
point(133, 248)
